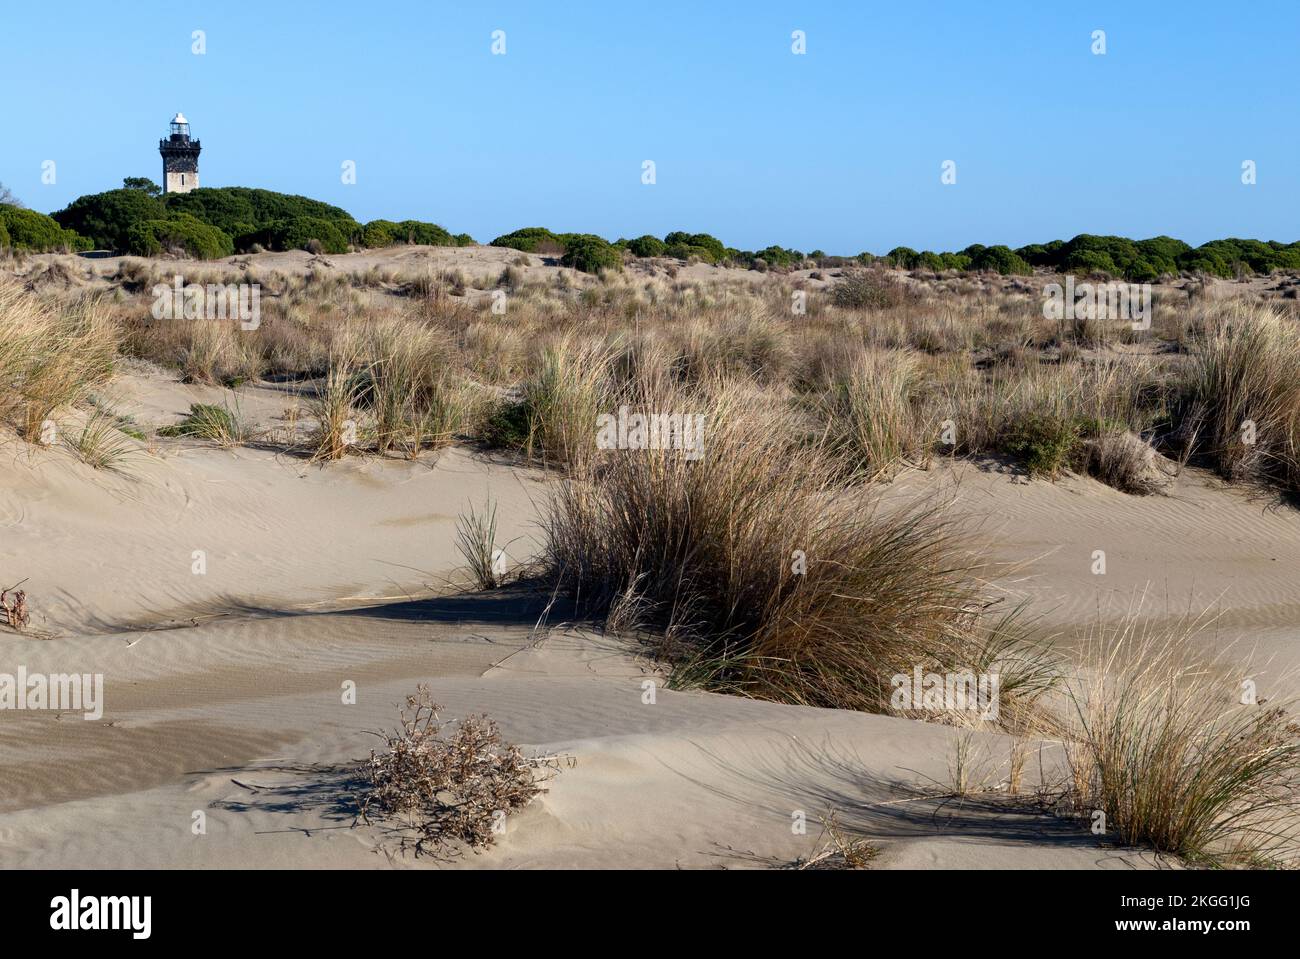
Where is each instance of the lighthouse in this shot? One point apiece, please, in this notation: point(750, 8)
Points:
point(180, 157)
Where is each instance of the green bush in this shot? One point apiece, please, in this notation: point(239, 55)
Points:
point(647, 245)
point(1118, 251)
point(1139, 261)
point(141, 183)
point(1045, 444)
point(1035, 254)
point(1090, 261)
point(378, 234)
point(238, 210)
point(779, 256)
point(381, 233)
point(1042, 254)
point(1002, 259)
point(589, 254)
point(1161, 254)
point(5, 243)
point(903, 257)
point(205, 421)
point(1205, 261)
point(297, 233)
point(36, 232)
point(181, 233)
point(351, 231)
point(1141, 271)
point(701, 246)
point(684, 251)
point(529, 239)
point(106, 218)
point(423, 234)
point(508, 425)
point(387, 233)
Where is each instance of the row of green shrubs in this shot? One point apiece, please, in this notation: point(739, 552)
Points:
point(214, 222)
point(708, 248)
point(977, 257)
point(1141, 261)
point(589, 253)
point(580, 251)
point(1136, 260)
point(381, 233)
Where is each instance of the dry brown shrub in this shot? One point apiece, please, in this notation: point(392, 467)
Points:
point(449, 788)
point(869, 289)
point(1127, 462)
point(16, 614)
point(839, 850)
point(55, 274)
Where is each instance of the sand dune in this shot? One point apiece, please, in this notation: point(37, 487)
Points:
point(223, 689)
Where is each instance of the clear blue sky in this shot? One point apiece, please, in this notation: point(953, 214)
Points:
point(839, 149)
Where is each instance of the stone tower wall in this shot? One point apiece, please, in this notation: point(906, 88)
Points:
point(180, 164)
point(180, 182)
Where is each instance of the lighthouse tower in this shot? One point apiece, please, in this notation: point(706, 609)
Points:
point(180, 157)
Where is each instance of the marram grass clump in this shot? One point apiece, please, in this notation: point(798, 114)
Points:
point(753, 570)
point(1181, 754)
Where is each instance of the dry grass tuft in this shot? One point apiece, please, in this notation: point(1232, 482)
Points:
point(764, 577)
point(336, 408)
point(1125, 461)
point(1242, 395)
point(101, 444)
point(1172, 757)
point(407, 387)
point(51, 356)
point(870, 289)
point(562, 396)
point(476, 540)
point(222, 424)
point(838, 850)
point(874, 415)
